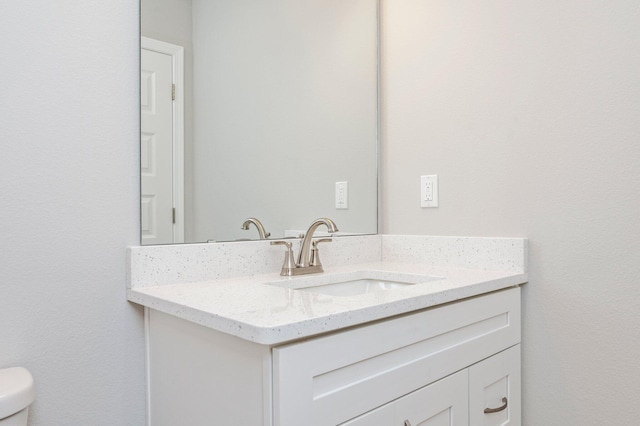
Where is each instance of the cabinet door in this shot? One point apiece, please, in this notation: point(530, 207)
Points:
point(443, 403)
point(494, 390)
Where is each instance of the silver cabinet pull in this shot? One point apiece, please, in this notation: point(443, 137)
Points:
point(407, 423)
point(497, 410)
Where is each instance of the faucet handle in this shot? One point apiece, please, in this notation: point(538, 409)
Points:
point(289, 264)
point(315, 243)
point(315, 254)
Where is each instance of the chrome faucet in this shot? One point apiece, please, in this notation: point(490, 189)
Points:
point(308, 258)
point(261, 231)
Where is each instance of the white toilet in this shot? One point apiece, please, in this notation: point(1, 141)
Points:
point(17, 392)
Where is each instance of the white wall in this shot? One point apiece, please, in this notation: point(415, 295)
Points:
point(529, 111)
point(69, 201)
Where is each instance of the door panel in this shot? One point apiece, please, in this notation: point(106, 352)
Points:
point(492, 380)
point(443, 403)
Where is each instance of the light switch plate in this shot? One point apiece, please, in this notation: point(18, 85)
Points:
point(429, 191)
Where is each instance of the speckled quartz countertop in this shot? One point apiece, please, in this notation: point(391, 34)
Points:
point(262, 308)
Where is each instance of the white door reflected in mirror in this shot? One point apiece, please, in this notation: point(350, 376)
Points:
point(156, 148)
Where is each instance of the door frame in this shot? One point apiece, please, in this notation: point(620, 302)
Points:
point(177, 59)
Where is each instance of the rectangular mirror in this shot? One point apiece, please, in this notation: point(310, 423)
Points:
point(257, 109)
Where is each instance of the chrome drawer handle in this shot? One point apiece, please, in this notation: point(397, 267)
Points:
point(496, 410)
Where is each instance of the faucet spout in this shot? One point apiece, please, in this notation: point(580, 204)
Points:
point(304, 257)
point(261, 231)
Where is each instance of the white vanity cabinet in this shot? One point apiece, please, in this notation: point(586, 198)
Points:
point(440, 366)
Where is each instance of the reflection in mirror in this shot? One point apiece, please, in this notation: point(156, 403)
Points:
point(273, 116)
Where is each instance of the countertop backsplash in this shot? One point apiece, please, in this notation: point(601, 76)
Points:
point(183, 263)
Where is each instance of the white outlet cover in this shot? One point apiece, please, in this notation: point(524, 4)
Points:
point(429, 191)
point(342, 195)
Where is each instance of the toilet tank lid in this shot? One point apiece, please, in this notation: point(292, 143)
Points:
point(17, 390)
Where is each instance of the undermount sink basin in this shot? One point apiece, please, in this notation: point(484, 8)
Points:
point(352, 288)
point(354, 283)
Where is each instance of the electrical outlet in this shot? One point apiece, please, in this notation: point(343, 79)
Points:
point(342, 195)
point(429, 191)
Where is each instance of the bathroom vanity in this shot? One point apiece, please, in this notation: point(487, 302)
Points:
point(242, 345)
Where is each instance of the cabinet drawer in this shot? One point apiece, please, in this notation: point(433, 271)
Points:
point(331, 379)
